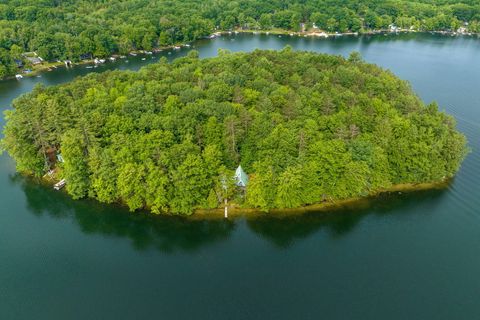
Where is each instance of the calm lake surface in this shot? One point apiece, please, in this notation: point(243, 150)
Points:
point(402, 256)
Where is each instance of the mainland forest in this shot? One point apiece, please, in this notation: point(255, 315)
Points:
point(305, 127)
point(75, 30)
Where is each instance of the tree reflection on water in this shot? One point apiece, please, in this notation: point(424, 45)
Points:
point(170, 234)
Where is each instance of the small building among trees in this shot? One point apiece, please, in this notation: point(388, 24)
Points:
point(241, 178)
point(32, 57)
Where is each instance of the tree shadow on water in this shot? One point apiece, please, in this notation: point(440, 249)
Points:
point(168, 234)
point(285, 230)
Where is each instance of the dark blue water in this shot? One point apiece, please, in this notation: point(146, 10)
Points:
point(403, 256)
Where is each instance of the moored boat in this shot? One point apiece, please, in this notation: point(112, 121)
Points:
point(59, 185)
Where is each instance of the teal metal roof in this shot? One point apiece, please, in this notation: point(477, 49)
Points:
point(241, 178)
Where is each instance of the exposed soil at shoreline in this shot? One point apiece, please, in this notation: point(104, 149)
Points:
point(235, 211)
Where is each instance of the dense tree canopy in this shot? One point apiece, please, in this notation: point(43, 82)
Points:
point(306, 127)
point(74, 28)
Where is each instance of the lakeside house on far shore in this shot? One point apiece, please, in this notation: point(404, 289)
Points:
point(33, 58)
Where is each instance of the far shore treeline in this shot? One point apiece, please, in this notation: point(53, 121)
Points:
point(85, 29)
point(305, 127)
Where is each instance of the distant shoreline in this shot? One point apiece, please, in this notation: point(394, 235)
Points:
point(39, 69)
point(321, 33)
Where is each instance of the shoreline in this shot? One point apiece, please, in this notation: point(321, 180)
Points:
point(43, 68)
point(321, 33)
point(320, 207)
point(237, 211)
point(40, 69)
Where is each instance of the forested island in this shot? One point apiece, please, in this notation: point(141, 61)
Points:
point(306, 128)
point(77, 30)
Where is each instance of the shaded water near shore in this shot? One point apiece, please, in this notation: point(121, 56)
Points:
point(398, 256)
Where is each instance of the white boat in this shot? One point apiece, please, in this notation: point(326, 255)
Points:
point(18, 76)
point(321, 34)
point(187, 45)
point(112, 59)
point(133, 54)
point(89, 67)
point(148, 52)
point(123, 57)
point(59, 185)
point(176, 48)
point(143, 59)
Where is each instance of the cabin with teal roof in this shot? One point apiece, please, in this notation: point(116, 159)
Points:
point(241, 178)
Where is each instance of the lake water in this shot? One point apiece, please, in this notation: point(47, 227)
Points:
point(403, 256)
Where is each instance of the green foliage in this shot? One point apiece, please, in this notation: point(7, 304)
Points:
point(75, 168)
point(261, 188)
point(321, 128)
point(72, 29)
